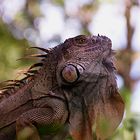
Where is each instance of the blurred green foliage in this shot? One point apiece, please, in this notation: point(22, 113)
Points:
point(11, 49)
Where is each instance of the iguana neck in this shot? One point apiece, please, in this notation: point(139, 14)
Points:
point(45, 80)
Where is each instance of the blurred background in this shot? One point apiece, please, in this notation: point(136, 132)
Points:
point(46, 23)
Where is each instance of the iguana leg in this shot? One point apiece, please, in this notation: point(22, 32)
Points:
point(25, 123)
point(26, 130)
point(47, 115)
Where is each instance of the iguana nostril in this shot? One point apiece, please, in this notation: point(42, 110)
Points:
point(70, 73)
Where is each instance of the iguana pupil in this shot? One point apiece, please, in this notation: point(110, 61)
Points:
point(70, 73)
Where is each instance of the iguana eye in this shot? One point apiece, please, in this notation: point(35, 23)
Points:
point(70, 73)
point(80, 40)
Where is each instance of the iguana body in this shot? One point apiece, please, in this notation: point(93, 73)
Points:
point(74, 90)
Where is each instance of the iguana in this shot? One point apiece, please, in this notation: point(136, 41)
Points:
point(72, 94)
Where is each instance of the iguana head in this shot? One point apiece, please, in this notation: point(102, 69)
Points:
point(90, 55)
point(86, 71)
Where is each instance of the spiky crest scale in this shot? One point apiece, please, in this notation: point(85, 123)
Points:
point(36, 65)
point(42, 49)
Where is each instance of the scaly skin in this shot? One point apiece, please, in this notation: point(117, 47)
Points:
point(74, 90)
